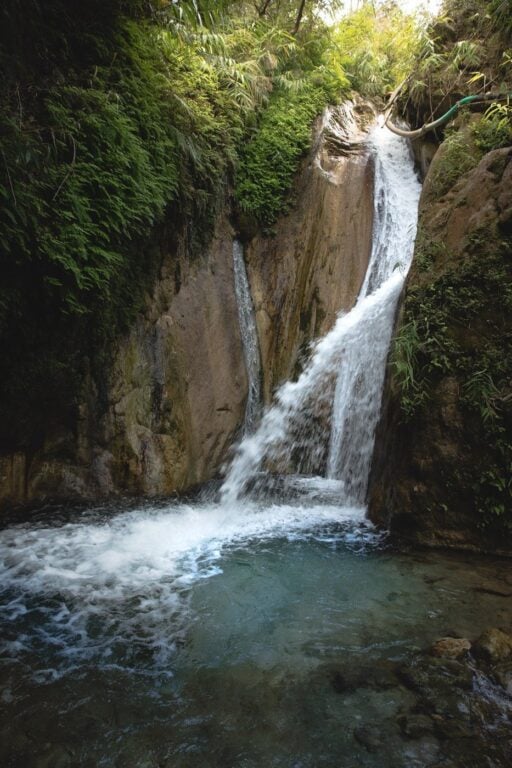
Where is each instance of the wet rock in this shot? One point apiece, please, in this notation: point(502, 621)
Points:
point(434, 677)
point(502, 674)
point(493, 646)
point(369, 737)
point(445, 764)
point(379, 677)
point(415, 725)
point(450, 648)
point(421, 753)
point(454, 725)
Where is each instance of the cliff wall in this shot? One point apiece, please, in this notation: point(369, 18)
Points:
point(441, 475)
point(171, 404)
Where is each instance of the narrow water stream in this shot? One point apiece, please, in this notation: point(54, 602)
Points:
point(250, 343)
point(273, 627)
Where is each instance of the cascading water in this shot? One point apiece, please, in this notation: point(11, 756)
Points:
point(339, 392)
point(250, 342)
point(357, 397)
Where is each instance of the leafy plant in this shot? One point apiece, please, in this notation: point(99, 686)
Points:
point(270, 158)
point(495, 129)
point(377, 47)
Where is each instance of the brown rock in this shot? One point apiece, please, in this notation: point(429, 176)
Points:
point(450, 647)
point(502, 673)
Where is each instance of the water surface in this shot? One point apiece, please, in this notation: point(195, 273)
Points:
point(262, 635)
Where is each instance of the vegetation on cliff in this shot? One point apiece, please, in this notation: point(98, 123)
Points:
point(115, 118)
point(455, 334)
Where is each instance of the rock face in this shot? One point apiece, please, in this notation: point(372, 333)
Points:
point(441, 473)
point(314, 265)
point(173, 401)
point(174, 397)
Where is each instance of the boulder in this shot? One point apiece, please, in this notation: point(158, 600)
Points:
point(450, 647)
point(493, 646)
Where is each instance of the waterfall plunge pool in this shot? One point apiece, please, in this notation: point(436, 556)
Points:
point(283, 633)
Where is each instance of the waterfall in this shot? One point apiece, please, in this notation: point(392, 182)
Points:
point(358, 394)
point(325, 421)
point(250, 344)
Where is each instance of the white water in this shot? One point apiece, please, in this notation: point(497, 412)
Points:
point(250, 341)
point(358, 394)
point(106, 589)
point(339, 393)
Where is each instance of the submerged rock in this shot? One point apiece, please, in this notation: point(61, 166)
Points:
point(415, 725)
point(370, 737)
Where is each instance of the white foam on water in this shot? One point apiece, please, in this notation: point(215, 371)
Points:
point(120, 586)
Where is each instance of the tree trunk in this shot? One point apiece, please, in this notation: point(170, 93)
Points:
point(263, 9)
point(299, 17)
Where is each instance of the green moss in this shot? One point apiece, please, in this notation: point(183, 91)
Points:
point(459, 155)
point(270, 158)
point(452, 327)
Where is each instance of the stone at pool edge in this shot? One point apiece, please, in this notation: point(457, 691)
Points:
point(493, 646)
point(415, 725)
point(502, 674)
point(450, 648)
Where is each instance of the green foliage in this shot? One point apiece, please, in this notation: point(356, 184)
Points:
point(406, 348)
point(495, 129)
point(463, 51)
point(501, 14)
point(459, 155)
point(104, 158)
point(270, 158)
point(307, 80)
point(377, 48)
point(456, 325)
point(118, 119)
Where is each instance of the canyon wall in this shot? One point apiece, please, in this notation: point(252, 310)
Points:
point(173, 400)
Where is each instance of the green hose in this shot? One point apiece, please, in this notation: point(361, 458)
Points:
point(444, 118)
